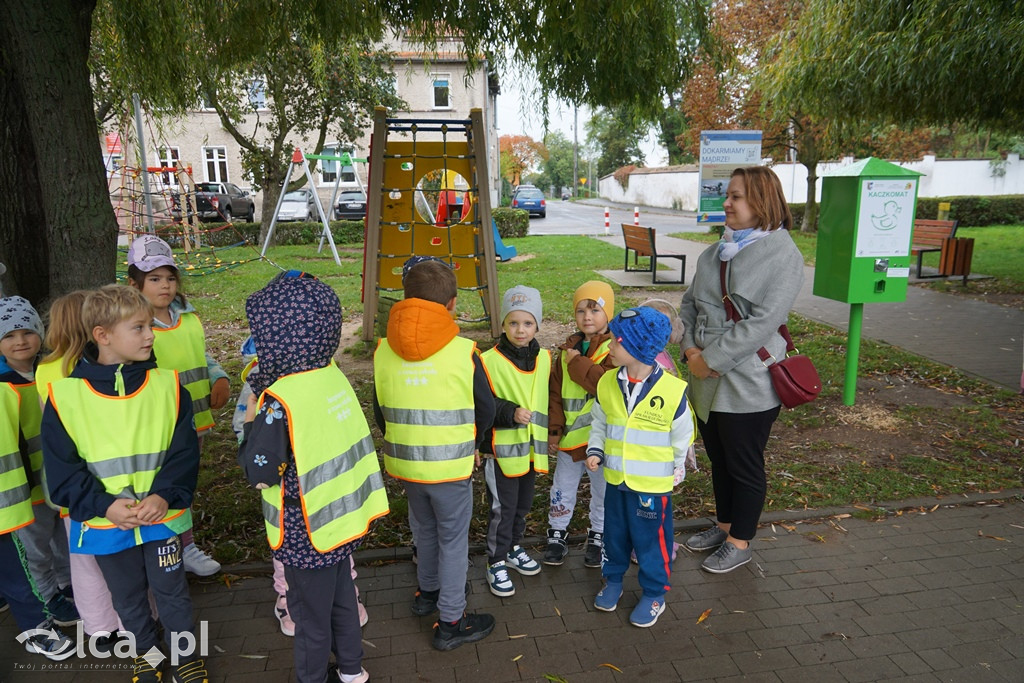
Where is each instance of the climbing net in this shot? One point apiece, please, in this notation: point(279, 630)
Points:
point(201, 248)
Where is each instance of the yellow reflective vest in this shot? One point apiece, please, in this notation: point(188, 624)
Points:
point(429, 412)
point(576, 404)
point(516, 447)
point(183, 348)
point(15, 497)
point(30, 416)
point(124, 460)
point(340, 486)
point(638, 446)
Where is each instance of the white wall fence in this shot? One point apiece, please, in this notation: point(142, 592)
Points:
point(676, 186)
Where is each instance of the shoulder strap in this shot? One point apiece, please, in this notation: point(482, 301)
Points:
point(733, 314)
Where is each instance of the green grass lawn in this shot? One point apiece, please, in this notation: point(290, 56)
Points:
point(976, 439)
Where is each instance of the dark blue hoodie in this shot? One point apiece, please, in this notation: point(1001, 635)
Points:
point(71, 483)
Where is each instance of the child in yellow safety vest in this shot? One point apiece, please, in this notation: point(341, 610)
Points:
point(306, 445)
point(66, 339)
point(121, 454)
point(180, 345)
point(518, 444)
point(45, 541)
point(642, 428)
point(583, 360)
point(433, 402)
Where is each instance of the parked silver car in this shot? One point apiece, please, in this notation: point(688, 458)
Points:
point(299, 205)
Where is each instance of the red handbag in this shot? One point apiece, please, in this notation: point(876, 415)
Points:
point(794, 378)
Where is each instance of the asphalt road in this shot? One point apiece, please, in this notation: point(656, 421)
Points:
point(575, 218)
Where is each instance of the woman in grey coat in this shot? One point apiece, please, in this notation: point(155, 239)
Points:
point(730, 388)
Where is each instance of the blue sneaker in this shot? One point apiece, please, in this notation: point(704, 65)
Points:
point(647, 611)
point(608, 597)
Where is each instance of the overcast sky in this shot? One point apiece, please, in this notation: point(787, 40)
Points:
point(513, 120)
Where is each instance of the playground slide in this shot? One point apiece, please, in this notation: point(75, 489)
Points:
point(502, 251)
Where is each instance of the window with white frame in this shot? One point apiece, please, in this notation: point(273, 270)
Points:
point(329, 169)
point(257, 93)
point(167, 157)
point(216, 164)
point(441, 93)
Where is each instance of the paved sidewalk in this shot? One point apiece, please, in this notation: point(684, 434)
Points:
point(983, 340)
point(933, 594)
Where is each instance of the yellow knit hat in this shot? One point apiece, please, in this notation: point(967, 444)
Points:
point(598, 291)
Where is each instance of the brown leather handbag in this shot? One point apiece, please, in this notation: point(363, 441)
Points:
point(794, 378)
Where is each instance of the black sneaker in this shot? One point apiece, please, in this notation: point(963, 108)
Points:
point(469, 629)
point(62, 610)
point(595, 548)
point(557, 549)
point(144, 672)
point(107, 642)
point(424, 603)
point(191, 672)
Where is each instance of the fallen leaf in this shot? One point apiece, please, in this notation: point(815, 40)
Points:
point(558, 612)
point(704, 615)
point(218, 648)
point(518, 635)
point(612, 667)
point(936, 507)
point(517, 658)
point(995, 538)
point(555, 679)
point(788, 527)
point(253, 656)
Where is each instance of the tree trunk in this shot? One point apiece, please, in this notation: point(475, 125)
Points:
point(22, 242)
point(810, 223)
point(273, 177)
point(46, 47)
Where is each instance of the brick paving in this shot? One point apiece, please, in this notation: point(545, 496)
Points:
point(926, 595)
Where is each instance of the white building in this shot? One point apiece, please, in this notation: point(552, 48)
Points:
point(437, 85)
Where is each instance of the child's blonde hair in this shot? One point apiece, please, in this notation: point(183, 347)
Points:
point(66, 335)
point(662, 306)
point(111, 304)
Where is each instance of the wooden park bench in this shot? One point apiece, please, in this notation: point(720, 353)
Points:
point(928, 237)
point(642, 242)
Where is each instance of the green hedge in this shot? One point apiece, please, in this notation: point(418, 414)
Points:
point(511, 222)
point(972, 212)
point(344, 232)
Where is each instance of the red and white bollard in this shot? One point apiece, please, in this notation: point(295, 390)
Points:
point(607, 221)
point(636, 215)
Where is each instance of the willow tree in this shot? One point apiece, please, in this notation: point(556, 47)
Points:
point(57, 229)
point(912, 62)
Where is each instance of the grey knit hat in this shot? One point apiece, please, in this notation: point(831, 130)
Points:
point(17, 313)
point(522, 298)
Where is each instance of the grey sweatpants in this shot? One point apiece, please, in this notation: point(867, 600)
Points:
point(442, 513)
point(46, 551)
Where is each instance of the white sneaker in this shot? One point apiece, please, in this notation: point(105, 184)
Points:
point(283, 616)
point(498, 580)
point(521, 561)
point(198, 562)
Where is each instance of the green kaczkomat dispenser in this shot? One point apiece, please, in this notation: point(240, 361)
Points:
point(864, 234)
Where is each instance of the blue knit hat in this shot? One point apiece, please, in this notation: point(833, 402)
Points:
point(642, 331)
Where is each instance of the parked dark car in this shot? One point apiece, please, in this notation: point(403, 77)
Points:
point(298, 205)
point(530, 199)
point(214, 201)
point(351, 205)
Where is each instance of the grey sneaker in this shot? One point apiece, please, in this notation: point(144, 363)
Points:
point(725, 559)
point(708, 539)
